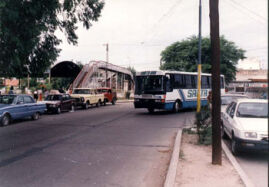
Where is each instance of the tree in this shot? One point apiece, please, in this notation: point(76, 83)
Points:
point(183, 56)
point(132, 69)
point(27, 32)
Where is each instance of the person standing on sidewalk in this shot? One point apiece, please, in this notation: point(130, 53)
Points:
point(35, 95)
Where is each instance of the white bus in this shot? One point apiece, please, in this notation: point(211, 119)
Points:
point(171, 90)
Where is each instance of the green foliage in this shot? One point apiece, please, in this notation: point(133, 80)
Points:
point(204, 127)
point(79, 64)
point(27, 32)
point(132, 69)
point(183, 56)
point(61, 83)
point(205, 136)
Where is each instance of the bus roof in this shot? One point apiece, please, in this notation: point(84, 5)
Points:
point(146, 73)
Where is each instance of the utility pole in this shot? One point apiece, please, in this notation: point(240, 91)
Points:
point(106, 61)
point(199, 61)
point(215, 60)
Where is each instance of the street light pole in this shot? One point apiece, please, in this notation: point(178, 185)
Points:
point(199, 61)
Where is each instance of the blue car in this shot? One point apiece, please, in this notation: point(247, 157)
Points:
point(18, 107)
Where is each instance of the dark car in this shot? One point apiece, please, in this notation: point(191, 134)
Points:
point(56, 103)
point(110, 96)
point(18, 107)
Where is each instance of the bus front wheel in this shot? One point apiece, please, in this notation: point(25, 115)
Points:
point(176, 106)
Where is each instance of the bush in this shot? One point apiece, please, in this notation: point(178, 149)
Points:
point(204, 127)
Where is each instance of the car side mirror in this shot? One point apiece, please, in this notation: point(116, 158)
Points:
point(19, 102)
point(232, 114)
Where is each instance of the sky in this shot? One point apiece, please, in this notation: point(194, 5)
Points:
point(138, 30)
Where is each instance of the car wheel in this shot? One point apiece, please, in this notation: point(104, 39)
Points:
point(58, 110)
point(72, 108)
point(5, 120)
point(104, 103)
point(86, 106)
point(176, 107)
point(113, 101)
point(235, 148)
point(35, 116)
point(223, 133)
point(98, 103)
point(151, 110)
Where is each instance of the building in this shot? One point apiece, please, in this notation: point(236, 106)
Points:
point(252, 82)
point(9, 82)
point(99, 74)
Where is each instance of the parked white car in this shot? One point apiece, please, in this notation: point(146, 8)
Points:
point(245, 122)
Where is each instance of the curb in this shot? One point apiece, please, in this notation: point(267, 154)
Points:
point(172, 170)
point(247, 182)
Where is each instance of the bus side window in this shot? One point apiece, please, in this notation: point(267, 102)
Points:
point(169, 87)
point(210, 82)
point(188, 81)
point(172, 80)
point(194, 81)
point(221, 82)
point(204, 82)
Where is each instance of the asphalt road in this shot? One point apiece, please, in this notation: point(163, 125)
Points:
point(106, 146)
point(255, 165)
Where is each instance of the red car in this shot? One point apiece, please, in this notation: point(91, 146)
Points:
point(110, 96)
point(56, 103)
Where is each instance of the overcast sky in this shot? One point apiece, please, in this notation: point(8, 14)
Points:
point(138, 30)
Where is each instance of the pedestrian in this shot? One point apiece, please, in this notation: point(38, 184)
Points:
point(46, 93)
point(35, 95)
point(11, 90)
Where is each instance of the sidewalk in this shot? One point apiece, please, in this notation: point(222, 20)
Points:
point(195, 169)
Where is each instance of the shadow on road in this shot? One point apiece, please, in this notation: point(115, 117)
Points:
point(164, 112)
point(249, 155)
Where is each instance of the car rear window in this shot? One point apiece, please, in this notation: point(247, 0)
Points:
point(53, 97)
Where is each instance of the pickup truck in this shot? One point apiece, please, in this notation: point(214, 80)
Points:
point(110, 96)
point(87, 96)
point(19, 106)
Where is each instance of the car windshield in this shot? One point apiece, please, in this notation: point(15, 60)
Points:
point(82, 91)
point(225, 100)
point(252, 110)
point(53, 97)
point(7, 99)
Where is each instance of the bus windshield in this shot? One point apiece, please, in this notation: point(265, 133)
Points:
point(149, 85)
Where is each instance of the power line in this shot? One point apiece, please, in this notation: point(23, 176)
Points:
point(243, 11)
point(165, 15)
point(249, 10)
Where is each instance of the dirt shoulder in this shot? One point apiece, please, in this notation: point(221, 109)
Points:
point(195, 168)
